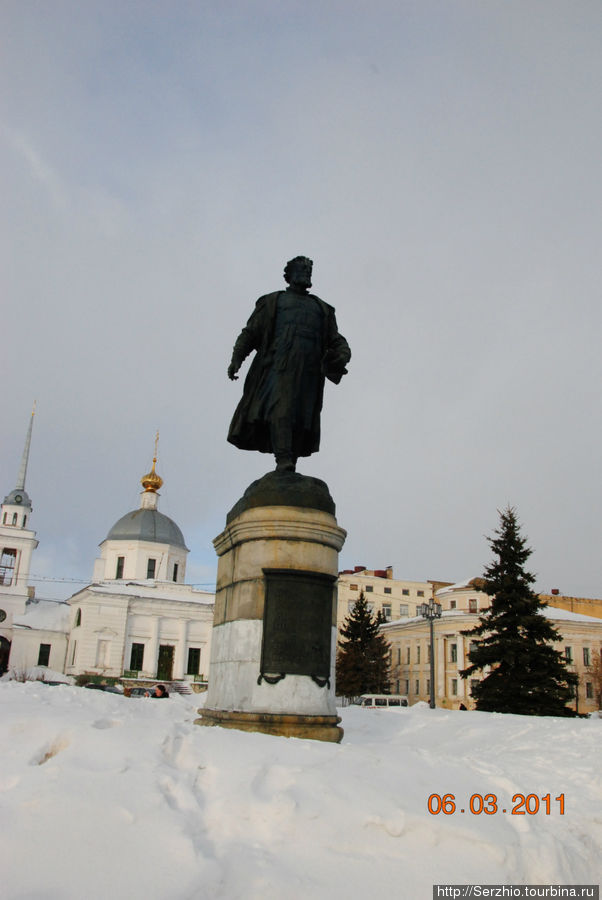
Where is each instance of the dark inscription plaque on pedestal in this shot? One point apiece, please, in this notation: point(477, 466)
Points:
point(297, 623)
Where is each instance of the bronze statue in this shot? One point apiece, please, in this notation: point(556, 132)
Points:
point(297, 346)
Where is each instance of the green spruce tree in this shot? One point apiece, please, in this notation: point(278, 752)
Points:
point(514, 640)
point(363, 657)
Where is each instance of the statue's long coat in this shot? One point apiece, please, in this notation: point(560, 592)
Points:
point(250, 426)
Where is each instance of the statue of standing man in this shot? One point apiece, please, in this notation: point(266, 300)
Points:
point(297, 346)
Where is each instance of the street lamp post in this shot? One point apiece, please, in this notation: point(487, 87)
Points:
point(431, 611)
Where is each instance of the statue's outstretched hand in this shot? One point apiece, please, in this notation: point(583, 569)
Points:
point(232, 370)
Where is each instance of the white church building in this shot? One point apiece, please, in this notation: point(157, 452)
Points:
point(136, 620)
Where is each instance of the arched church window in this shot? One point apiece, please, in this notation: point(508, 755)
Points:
point(8, 563)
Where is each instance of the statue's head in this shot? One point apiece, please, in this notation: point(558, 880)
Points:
point(298, 271)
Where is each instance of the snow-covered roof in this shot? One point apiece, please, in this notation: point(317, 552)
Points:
point(153, 590)
point(47, 615)
point(554, 612)
point(461, 585)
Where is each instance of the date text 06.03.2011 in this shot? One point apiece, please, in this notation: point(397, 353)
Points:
point(489, 805)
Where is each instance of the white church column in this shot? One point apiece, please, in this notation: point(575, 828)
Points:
point(151, 657)
point(181, 650)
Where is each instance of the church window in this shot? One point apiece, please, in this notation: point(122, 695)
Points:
point(24, 521)
point(150, 568)
point(137, 657)
point(8, 562)
point(73, 650)
point(194, 661)
point(14, 518)
point(44, 654)
point(78, 618)
point(472, 605)
point(120, 565)
point(175, 571)
point(4, 519)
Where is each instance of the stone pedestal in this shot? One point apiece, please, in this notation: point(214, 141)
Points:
point(274, 630)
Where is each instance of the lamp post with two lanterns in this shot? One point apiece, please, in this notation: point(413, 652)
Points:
point(431, 611)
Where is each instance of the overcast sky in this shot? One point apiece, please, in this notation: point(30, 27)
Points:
point(439, 161)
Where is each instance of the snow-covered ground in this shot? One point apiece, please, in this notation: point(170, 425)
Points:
point(102, 796)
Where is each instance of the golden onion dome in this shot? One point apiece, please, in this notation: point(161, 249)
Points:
point(151, 481)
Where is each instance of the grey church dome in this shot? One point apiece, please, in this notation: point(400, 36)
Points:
point(147, 525)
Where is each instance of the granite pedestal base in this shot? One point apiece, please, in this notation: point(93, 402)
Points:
point(274, 631)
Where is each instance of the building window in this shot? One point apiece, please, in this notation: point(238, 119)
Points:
point(150, 568)
point(568, 654)
point(589, 690)
point(407, 686)
point(452, 604)
point(353, 587)
point(369, 588)
point(8, 562)
point(350, 605)
point(417, 686)
point(44, 654)
point(408, 655)
point(428, 652)
point(418, 653)
point(4, 519)
point(14, 518)
point(473, 684)
point(102, 654)
point(453, 653)
point(420, 593)
point(399, 656)
point(403, 609)
point(586, 657)
point(370, 607)
point(120, 565)
point(137, 657)
point(175, 571)
point(194, 661)
point(454, 687)
point(387, 590)
point(472, 605)
point(73, 649)
point(24, 521)
point(405, 592)
point(78, 618)
point(428, 685)
point(387, 608)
